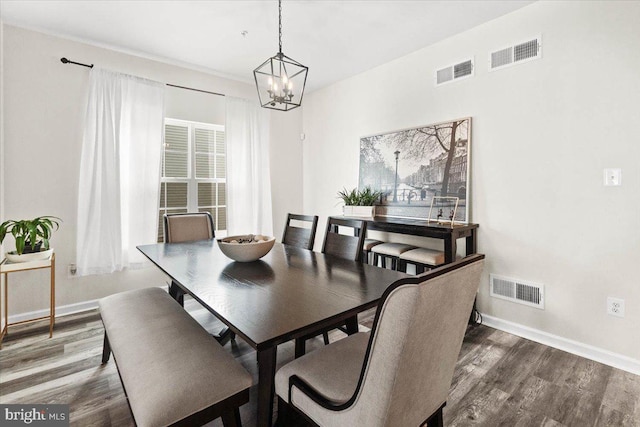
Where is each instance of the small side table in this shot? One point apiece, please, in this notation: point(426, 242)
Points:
point(7, 267)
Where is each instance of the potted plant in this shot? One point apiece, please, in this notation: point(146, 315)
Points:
point(359, 203)
point(31, 237)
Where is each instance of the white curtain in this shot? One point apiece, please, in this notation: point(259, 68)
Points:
point(248, 177)
point(119, 172)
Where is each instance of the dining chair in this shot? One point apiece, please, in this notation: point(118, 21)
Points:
point(347, 246)
point(190, 227)
point(399, 373)
point(299, 236)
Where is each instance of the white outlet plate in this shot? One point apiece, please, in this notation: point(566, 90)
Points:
point(615, 306)
point(613, 177)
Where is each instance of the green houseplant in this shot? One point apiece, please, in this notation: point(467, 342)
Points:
point(30, 235)
point(359, 202)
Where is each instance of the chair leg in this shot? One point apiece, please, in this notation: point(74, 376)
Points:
point(325, 337)
point(176, 293)
point(284, 414)
point(300, 347)
point(436, 419)
point(384, 261)
point(394, 263)
point(352, 325)
point(106, 349)
point(231, 418)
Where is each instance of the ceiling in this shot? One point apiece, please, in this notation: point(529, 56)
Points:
point(335, 39)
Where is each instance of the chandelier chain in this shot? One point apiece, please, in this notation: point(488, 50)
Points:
point(280, 25)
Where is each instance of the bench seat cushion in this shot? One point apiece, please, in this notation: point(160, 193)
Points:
point(391, 249)
point(170, 366)
point(424, 256)
point(370, 243)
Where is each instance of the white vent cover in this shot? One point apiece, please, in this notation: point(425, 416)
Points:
point(454, 72)
point(527, 293)
point(516, 54)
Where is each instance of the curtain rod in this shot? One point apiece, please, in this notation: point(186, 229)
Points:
point(68, 61)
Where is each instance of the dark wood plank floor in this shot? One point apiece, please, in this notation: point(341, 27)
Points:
point(500, 379)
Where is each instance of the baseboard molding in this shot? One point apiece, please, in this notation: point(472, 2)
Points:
point(574, 347)
point(61, 310)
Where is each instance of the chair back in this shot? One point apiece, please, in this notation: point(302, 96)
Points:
point(188, 227)
point(342, 245)
point(299, 236)
point(415, 342)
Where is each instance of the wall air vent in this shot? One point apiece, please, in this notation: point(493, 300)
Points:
point(527, 293)
point(454, 72)
point(516, 54)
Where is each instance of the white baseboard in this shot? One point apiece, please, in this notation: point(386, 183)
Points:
point(62, 310)
point(584, 350)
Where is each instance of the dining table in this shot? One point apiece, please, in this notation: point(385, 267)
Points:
point(288, 294)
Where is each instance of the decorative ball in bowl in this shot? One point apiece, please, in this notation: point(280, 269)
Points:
point(246, 248)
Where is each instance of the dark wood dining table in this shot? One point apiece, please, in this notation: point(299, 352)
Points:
point(289, 293)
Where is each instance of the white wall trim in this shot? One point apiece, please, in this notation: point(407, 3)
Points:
point(62, 310)
point(574, 347)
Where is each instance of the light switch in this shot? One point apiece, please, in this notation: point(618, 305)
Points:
point(612, 177)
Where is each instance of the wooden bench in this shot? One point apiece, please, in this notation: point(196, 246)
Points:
point(172, 371)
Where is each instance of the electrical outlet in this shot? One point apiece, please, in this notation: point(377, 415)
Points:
point(72, 270)
point(615, 306)
point(613, 177)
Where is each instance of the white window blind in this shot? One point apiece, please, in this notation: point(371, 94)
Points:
point(194, 175)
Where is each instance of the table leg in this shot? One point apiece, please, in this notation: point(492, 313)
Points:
point(450, 249)
point(6, 309)
point(472, 243)
point(266, 376)
point(52, 308)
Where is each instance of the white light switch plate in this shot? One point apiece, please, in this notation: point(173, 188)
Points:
point(612, 177)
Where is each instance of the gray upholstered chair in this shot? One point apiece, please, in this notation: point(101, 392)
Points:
point(348, 246)
point(299, 236)
point(190, 227)
point(399, 374)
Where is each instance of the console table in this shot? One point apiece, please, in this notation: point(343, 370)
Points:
point(418, 227)
point(7, 267)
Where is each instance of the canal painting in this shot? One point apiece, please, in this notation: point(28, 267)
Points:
point(411, 167)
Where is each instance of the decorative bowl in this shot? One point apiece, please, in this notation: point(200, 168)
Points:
point(33, 256)
point(246, 248)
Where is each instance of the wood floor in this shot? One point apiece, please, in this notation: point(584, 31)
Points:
point(500, 379)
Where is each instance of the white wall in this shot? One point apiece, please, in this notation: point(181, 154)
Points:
point(44, 102)
point(542, 133)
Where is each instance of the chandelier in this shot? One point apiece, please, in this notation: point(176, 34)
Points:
point(280, 80)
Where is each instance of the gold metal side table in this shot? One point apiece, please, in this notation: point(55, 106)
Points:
point(7, 267)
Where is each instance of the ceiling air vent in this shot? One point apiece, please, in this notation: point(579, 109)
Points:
point(516, 54)
point(527, 293)
point(454, 72)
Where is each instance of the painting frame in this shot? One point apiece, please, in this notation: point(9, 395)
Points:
point(411, 166)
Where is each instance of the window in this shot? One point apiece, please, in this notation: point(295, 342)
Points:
point(194, 173)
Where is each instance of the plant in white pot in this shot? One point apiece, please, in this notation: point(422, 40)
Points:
point(359, 203)
point(31, 237)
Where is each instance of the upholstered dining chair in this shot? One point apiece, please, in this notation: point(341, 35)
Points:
point(300, 236)
point(190, 227)
point(398, 374)
point(348, 246)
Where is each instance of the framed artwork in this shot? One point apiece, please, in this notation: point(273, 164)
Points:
point(411, 167)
